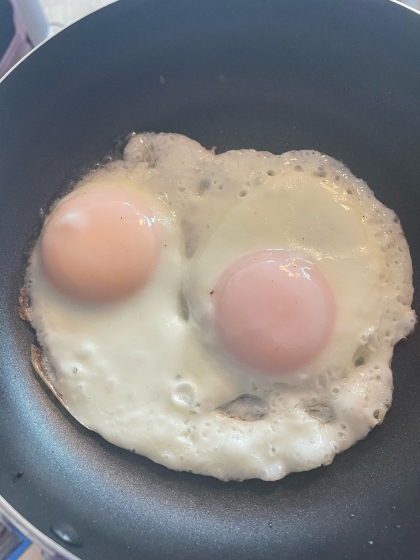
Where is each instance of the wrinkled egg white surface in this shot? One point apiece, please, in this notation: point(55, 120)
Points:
point(147, 372)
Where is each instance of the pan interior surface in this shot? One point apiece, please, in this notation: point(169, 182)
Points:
point(338, 76)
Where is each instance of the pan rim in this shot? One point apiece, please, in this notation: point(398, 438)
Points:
point(47, 533)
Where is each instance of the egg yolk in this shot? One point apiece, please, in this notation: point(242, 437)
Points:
point(274, 311)
point(100, 245)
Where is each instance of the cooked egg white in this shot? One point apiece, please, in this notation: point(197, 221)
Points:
point(148, 371)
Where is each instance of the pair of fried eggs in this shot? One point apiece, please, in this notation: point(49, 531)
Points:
point(231, 315)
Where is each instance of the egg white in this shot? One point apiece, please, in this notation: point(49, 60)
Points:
point(148, 373)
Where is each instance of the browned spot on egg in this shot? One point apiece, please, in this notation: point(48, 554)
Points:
point(37, 359)
point(23, 304)
point(38, 362)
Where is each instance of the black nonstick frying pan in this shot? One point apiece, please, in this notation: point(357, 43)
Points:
point(339, 76)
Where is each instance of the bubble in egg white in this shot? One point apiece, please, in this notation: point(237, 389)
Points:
point(184, 394)
point(152, 377)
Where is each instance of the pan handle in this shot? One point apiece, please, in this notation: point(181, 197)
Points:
point(37, 27)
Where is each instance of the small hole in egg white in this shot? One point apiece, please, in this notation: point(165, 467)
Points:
point(376, 414)
point(320, 172)
point(203, 186)
point(322, 413)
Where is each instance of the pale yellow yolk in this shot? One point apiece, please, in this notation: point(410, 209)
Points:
point(99, 246)
point(274, 311)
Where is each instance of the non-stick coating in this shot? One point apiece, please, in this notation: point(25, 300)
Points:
point(342, 77)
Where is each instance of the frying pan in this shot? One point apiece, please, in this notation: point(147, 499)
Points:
point(339, 76)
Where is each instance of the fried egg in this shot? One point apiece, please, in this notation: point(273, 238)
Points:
point(231, 315)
